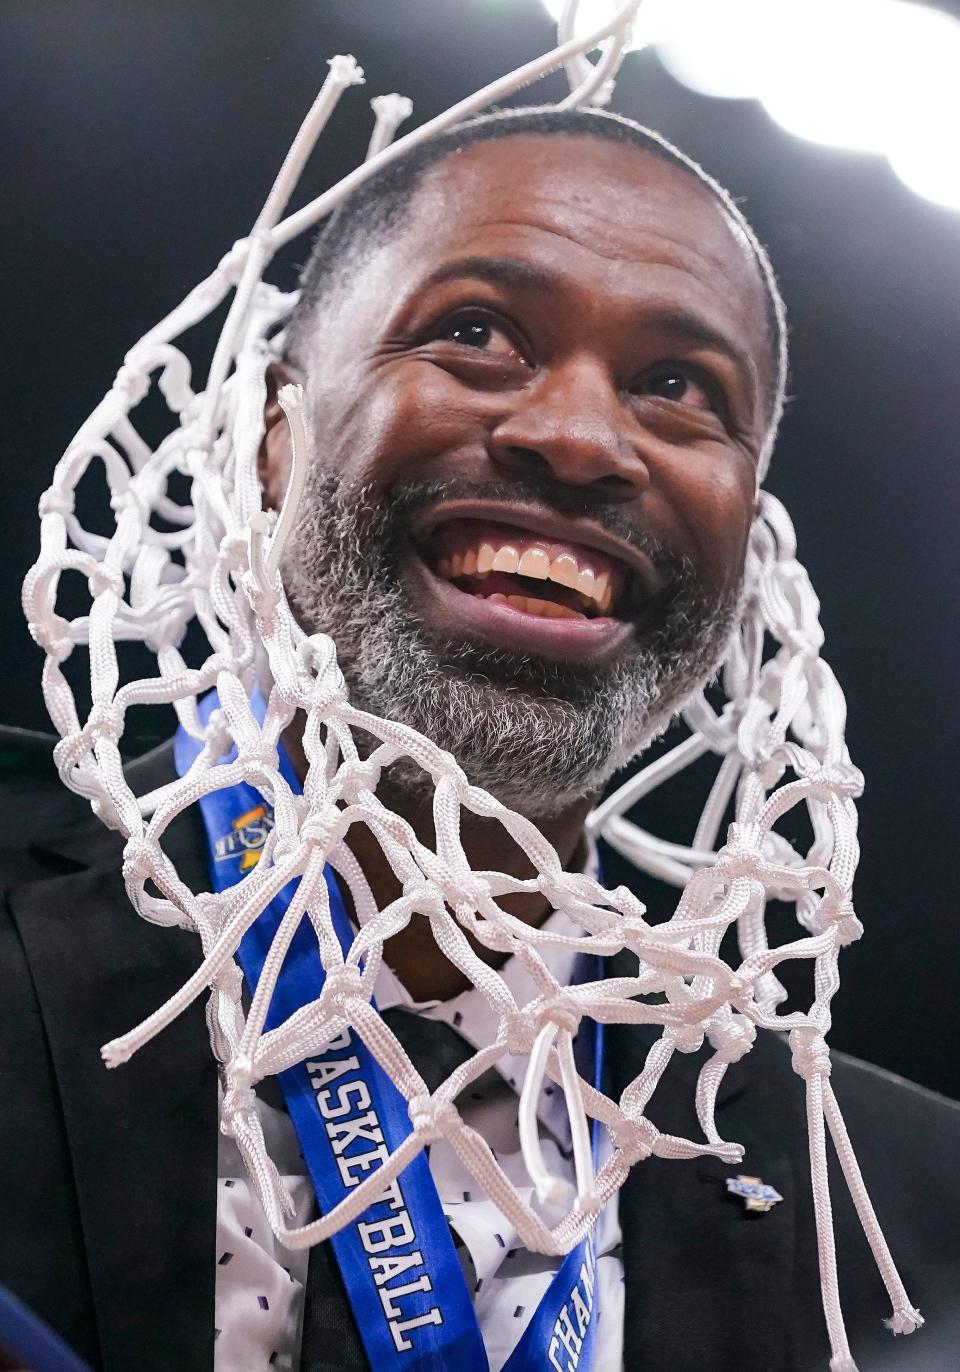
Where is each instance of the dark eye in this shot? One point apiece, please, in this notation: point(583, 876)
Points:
point(679, 384)
point(482, 332)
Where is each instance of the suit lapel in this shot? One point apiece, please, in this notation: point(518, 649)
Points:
point(708, 1285)
point(142, 1138)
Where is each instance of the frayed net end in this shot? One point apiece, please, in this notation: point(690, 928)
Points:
point(904, 1321)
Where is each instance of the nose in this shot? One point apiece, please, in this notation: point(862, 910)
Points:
point(570, 424)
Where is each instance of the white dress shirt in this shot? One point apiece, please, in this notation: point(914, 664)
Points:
point(260, 1284)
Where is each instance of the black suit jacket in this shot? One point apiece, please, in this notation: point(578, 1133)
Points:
point(108, 1179)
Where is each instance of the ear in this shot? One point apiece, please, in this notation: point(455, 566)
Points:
point(273, 459)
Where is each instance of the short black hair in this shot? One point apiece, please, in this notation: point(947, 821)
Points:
point(362, 222)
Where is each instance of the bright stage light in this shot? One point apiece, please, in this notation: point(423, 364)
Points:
point(876, 76)
point(836, 80)
point(925, 159)
point(861, 73)
point(726, 51)
point(922, 146)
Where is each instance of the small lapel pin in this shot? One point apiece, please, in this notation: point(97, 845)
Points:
point(755, 1194)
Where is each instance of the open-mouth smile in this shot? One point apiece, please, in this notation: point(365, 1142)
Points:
point(524, 578)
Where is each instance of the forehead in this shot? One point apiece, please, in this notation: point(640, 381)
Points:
point(606, 217)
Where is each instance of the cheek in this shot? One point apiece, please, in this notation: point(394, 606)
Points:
point(400, 424)
point(714, 501)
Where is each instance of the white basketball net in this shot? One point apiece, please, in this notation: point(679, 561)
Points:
point(220, 565)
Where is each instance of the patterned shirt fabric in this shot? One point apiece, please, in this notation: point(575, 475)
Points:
point(260, 1284)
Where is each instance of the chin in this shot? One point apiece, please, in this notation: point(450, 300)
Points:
point(537, 738)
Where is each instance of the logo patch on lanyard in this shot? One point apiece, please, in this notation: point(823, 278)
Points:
point(245, 840)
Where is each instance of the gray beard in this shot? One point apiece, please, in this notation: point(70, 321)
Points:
point(537, 734)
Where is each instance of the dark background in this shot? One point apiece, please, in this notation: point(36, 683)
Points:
point(143, 139)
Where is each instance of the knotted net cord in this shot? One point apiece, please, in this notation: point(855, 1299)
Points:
point(779, 738)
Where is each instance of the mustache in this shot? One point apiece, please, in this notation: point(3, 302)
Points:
point(394, 505)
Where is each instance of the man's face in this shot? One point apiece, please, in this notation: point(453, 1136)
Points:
point(538, 409)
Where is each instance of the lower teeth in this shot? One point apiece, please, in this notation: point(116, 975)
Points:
point(544, 609)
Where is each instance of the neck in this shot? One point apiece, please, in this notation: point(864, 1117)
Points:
point(412, 954)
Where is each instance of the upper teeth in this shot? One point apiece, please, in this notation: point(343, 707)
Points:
point(533, 562)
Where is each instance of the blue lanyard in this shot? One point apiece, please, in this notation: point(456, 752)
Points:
point(31, 1342)
point(398, 1260)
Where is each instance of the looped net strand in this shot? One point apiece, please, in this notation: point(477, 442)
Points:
point(215, 562)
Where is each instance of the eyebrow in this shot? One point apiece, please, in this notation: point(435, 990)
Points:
point(499, 271)
point(675, 321)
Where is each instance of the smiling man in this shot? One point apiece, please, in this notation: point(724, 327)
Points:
point(541, 362)
point(540, 373)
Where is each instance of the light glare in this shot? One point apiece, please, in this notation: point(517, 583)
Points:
point(875, 76)
point(723, 51)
